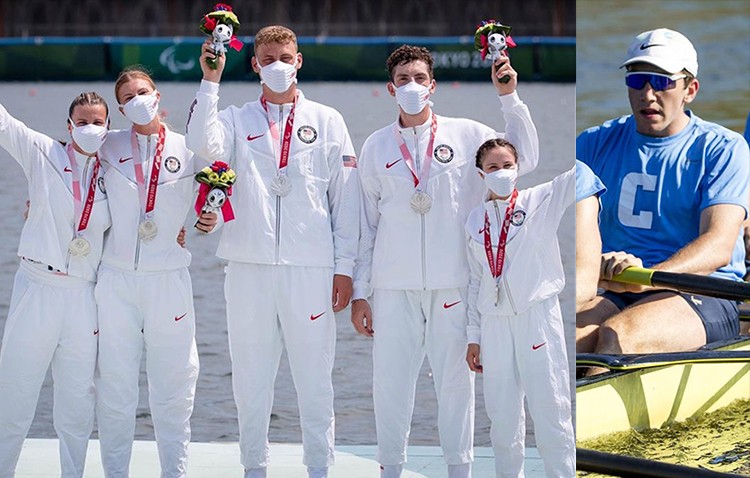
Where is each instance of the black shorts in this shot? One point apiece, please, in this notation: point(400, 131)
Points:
point(720, 317)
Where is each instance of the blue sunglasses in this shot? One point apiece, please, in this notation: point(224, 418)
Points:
point(659, 82)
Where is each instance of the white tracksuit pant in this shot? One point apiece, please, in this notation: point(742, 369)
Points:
point(52, 319)
point(155, 310)
point(407, 324)
point(269, 307)
point(525, 355)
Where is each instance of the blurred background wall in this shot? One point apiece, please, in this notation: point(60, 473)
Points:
point(23, 18)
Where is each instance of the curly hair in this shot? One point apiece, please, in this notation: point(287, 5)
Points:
point(274, 34)
point(492, 144)
point(407, 54)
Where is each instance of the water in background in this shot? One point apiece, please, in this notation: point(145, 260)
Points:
point(366, 107)
point(719, 31)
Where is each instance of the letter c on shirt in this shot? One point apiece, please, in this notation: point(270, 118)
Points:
point(626, 208)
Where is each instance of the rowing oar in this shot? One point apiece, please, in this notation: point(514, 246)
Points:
point(683, 282)
point(628, 466)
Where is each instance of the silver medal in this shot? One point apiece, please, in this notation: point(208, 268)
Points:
point(147, 230)
point(421, 202)
point(79, 247)
point(281, 185)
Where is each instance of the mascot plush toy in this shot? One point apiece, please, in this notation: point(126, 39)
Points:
point(221, 24)
point(491, 39)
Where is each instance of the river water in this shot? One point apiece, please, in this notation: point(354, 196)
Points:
point(366, 107)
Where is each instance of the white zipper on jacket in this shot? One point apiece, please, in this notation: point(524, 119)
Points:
point(278, 198)
point(137, 257)
point(418, 168)
point(75, 226)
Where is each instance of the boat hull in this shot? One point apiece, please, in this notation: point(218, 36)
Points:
point(652, 397)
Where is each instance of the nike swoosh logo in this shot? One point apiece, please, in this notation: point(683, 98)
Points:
point(96, 332)
point(177, 319)
point(448, 306)
point(483, 230)
point(122, 160)
point(67, 169)
point(534, 347)
point(390, 165)
point(313, 317)
point(251, 137)
point(644, 47)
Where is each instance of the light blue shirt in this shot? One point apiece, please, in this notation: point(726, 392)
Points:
point(587, 183)
point(658, 187)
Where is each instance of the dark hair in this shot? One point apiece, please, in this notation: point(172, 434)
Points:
point(89, 98)
point(491, 144)
point(407, 54)
point(131, 73)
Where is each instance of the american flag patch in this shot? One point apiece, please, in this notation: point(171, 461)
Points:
point(350, 161)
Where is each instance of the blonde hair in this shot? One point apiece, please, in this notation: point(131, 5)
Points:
point(274, 34)
point(131, 73)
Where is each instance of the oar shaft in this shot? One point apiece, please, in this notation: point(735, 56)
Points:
point(689, 283)
point(621, 465)
point(703, 285)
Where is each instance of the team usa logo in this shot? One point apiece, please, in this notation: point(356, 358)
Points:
point(518, 218)
point(307, 134)
point(172, 164)
point(443, 153)
point(100, 183)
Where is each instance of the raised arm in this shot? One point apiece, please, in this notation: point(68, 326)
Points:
point(519, 129)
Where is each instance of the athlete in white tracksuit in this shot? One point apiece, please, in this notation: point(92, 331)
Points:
point(283, 250)
point(52, 315)
point(145, 296)
point(519, 327)
point(417, 266)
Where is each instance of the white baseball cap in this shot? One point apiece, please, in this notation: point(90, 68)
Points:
point(667, 49)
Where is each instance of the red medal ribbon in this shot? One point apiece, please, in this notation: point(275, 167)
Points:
point(85, 214)
point(287, 140)
point(425, 173)
point(496, 264)
point(149, 196)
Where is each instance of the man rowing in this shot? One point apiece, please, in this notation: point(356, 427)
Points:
point(677, 198)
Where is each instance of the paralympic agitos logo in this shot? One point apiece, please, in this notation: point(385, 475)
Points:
point(168, 60)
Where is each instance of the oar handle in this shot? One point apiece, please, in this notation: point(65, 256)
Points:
point(635, 275)
point(688, 283)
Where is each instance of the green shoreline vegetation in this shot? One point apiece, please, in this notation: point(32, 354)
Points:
point(718, 441)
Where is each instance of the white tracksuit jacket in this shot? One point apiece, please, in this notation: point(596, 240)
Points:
point(402, 250)
point(282, 253)
point(54, 311)
point(522, 338)
point(294, 230)
point(144, 295)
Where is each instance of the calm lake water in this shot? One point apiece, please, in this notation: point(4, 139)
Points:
point(718, 29)
point(366, 107)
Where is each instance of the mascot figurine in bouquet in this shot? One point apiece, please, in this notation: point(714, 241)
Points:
point(221, 24)
point(215, 189)
point(492, 39)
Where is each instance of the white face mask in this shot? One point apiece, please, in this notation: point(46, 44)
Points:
point(141, 109)
point(90, 137)
point(501, 182)
point(413, 97)
point(279, 76)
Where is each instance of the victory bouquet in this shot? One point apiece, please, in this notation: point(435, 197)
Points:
point(215, 189)
point(221, 25)
point(491, 39)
